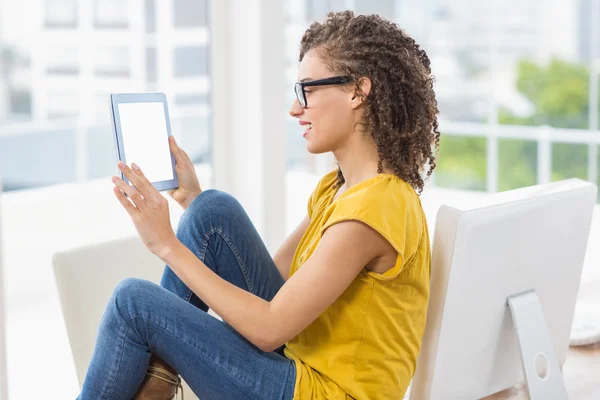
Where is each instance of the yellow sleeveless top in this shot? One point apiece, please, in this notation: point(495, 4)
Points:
point(365, 345)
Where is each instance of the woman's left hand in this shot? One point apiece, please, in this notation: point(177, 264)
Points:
point(148, 210)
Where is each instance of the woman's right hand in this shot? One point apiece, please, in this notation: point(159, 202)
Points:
point(189, 186)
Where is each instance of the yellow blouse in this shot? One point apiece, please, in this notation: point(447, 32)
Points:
point(365, 345)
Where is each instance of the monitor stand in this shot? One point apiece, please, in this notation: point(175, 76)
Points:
point(540, 366)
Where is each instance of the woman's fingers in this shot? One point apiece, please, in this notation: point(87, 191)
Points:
point(149, 187)
point(187, 157)
point(134, 178)
point(177, 151)
point(131, 192)
point(180, 155)
point(130, 208)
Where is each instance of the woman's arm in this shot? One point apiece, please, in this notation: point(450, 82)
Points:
point(284, 256)
point(343, 251)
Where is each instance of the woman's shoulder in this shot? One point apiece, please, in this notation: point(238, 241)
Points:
point(329, 178)
point(387, 202)
point(382, 190)
point(324, 185)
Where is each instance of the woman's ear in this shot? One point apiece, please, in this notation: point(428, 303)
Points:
point(363, 90)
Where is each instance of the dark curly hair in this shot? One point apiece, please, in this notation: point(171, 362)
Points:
point(401, 109)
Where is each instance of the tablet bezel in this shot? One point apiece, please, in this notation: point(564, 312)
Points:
point(120, 98)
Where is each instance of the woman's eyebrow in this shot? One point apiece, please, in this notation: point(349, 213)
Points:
point(306, 79)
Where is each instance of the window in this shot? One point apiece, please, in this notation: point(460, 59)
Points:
point(62, 61)
point(102, 107)
point(318, 9)
point(63, 104)
point(112, 62)
point(151, 73)
point(381, 7)
point(191, 99)
point(58, 81)
point(61, 13)
point(190, 13)
point(190, 61)
point(53, 155)
point(20, 102)
point(111, 14)
point(495, 64)
point(150, 14)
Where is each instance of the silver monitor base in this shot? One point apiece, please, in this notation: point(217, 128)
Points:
point(540, 366)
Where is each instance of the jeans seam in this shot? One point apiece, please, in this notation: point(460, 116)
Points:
point(238, 257)
point(113, 372)
point(234, 250)
point(147, 320)
point(207, 235)
point(201, 256)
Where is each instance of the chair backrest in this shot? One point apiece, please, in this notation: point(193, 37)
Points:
point(86, 278)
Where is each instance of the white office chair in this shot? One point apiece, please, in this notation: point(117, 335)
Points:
point(86, 278)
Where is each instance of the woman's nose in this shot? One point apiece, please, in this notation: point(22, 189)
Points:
point(296, 109)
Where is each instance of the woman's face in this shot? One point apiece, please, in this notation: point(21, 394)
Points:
point(328, 120)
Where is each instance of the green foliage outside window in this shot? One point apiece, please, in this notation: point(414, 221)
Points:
point(559, 94)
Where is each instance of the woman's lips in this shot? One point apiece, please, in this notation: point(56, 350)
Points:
point(307, 127)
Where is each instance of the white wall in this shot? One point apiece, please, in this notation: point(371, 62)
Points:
point(249, 136)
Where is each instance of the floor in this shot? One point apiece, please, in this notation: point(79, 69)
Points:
point(581, 373)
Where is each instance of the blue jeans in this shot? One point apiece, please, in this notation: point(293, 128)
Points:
point(172, 322)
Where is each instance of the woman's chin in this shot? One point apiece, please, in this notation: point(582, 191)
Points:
point(314, 146)
point(313, 149)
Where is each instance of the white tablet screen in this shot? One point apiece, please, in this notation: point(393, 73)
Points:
point(146, 140)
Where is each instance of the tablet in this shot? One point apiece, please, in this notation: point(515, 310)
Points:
point(141, 134)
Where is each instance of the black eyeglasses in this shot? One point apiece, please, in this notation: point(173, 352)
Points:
point(301, 94)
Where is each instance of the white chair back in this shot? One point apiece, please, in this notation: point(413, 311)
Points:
point(86, 278)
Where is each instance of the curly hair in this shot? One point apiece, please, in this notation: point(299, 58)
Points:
point(401, 109)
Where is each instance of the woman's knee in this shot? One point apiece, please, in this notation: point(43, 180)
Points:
point(206, 212)
point(134, 302)
point(129, 291)
point(213, 201)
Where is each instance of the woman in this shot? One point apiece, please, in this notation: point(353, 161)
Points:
point(339, 311)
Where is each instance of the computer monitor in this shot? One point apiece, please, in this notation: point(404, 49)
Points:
point(527, 245)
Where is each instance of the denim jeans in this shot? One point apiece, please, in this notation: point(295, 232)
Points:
point(171, 321)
